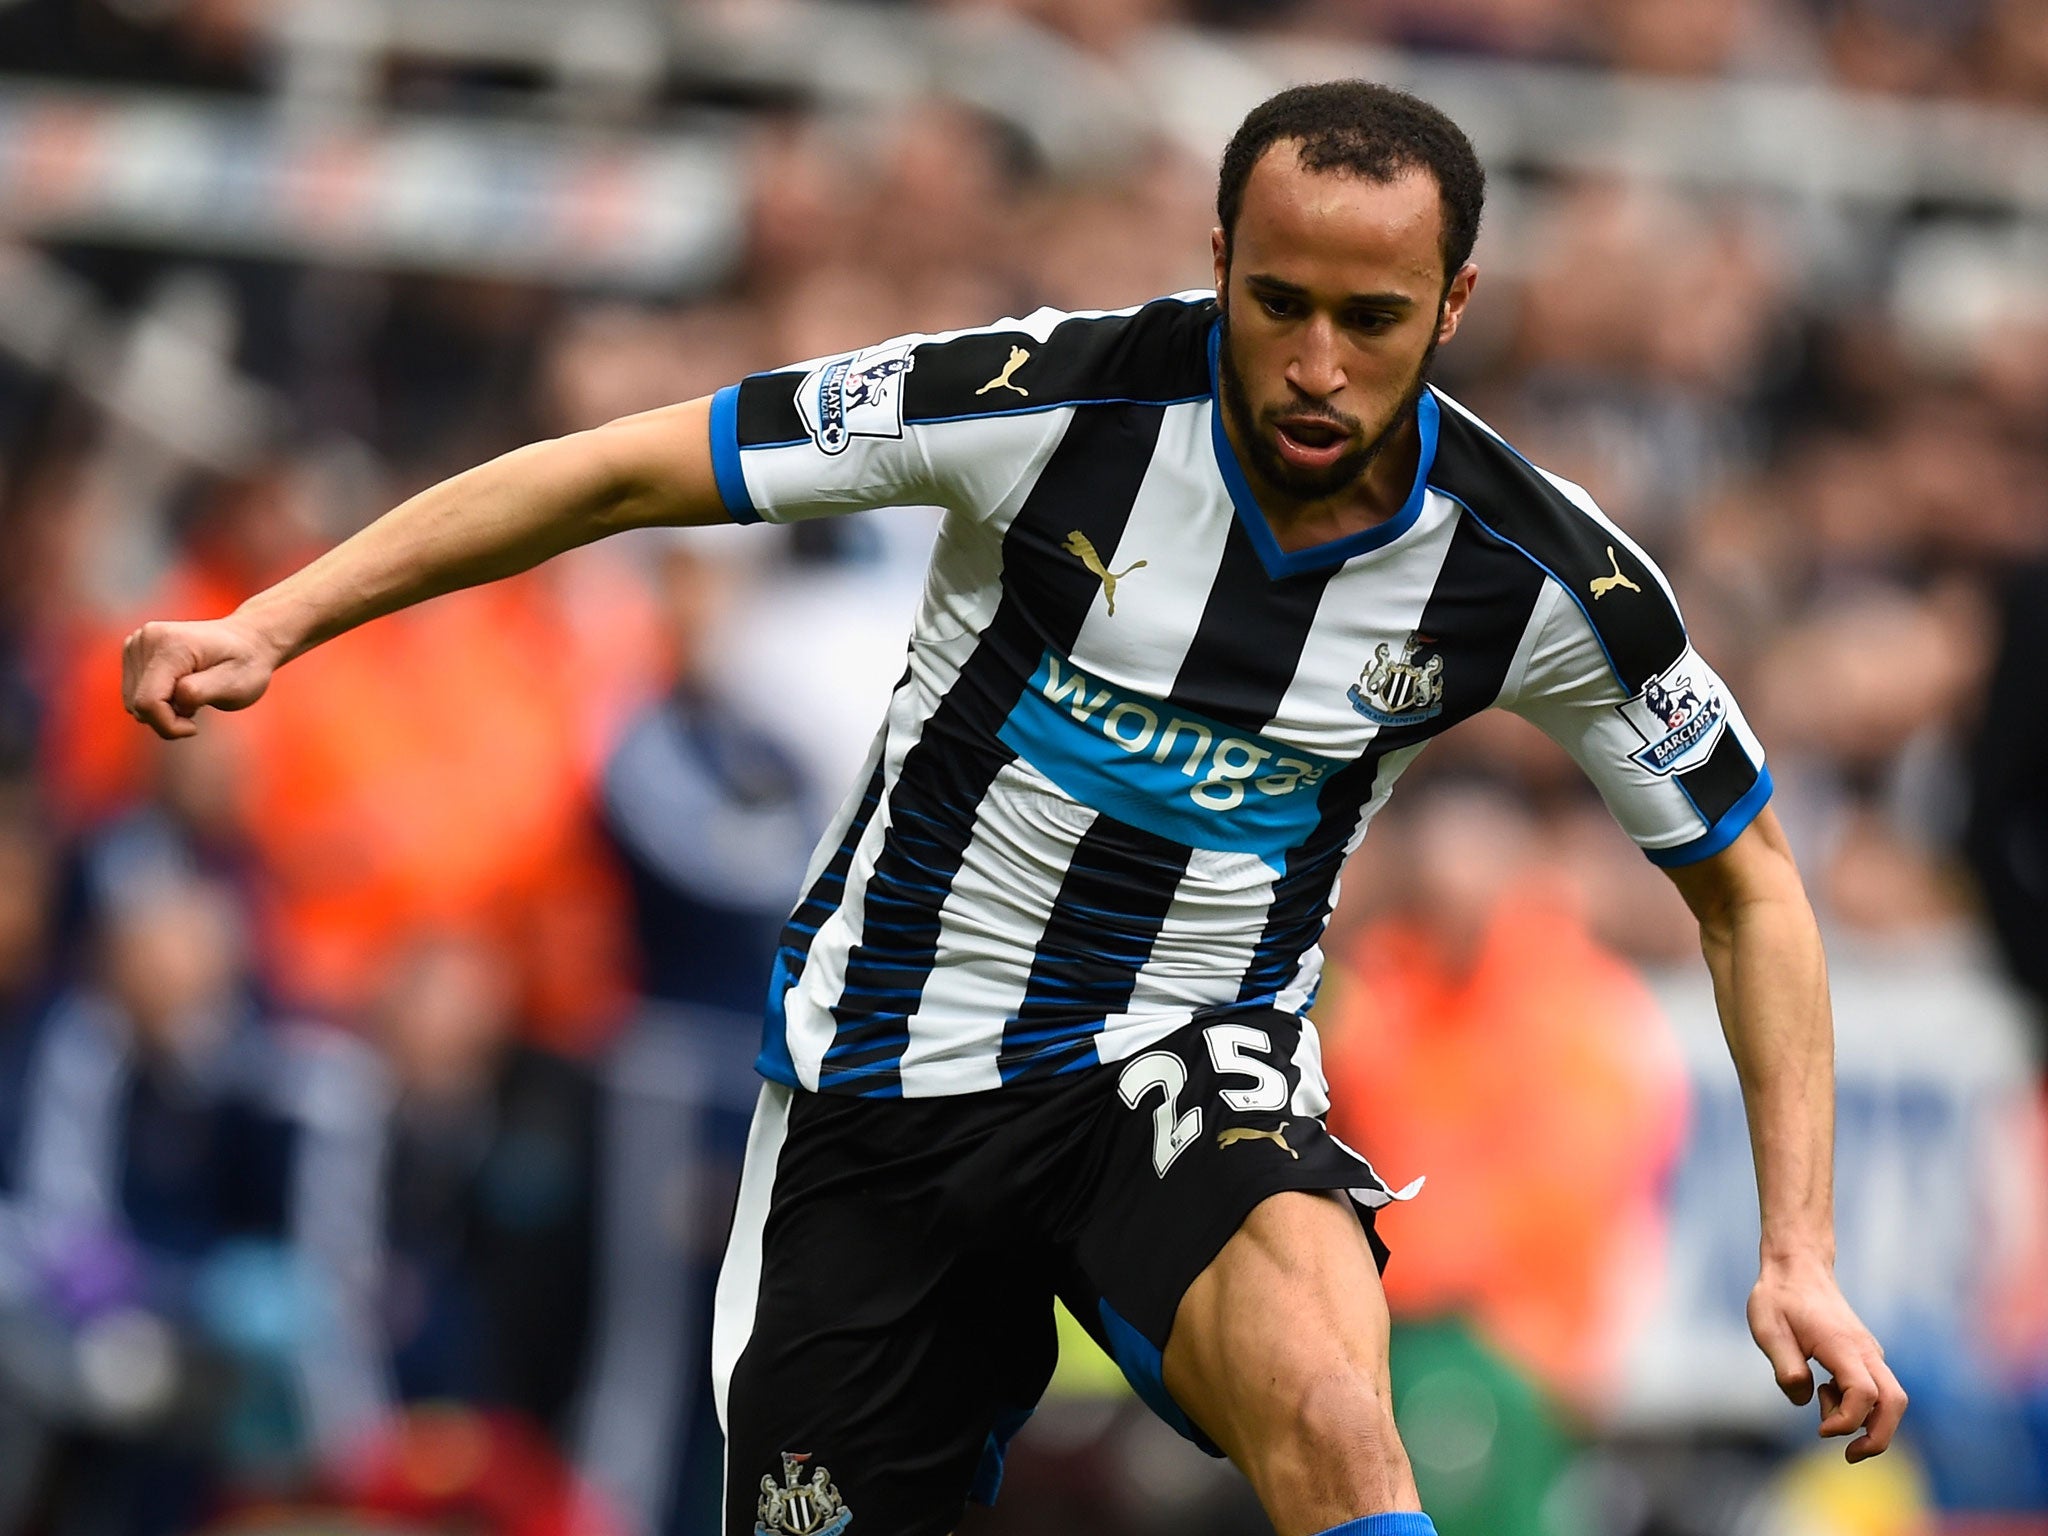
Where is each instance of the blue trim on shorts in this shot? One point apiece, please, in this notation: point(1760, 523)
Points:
point(988, 1477)
point(1143, 1367)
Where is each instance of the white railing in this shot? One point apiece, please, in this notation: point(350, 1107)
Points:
point(1785, 135)
point(582, 179)
point(1772, 136)
point(647, 209)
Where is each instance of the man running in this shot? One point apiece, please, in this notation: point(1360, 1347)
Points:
point(1213, 571)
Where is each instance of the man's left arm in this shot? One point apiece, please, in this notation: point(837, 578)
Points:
point(1770, 987)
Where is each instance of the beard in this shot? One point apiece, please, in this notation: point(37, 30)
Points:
point(1256, 432)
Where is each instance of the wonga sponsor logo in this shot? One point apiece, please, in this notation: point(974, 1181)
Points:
point(1178, 774)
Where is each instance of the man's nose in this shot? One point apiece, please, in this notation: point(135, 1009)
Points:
point(1318, 366)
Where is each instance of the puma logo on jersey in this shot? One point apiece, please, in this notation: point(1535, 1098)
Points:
point(1078, 543)
point(1019, 356)
point(1239, 1133)
point(1602, 585)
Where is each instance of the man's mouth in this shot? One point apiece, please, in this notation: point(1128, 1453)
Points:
point(1311, 441)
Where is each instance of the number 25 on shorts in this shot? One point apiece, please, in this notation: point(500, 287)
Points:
point(1231, 1053)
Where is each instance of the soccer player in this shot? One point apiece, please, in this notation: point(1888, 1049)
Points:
point(1213, 571)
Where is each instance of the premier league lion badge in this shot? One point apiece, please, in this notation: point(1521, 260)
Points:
point(800, 1507)
point(860, 395)
point(1680, 715)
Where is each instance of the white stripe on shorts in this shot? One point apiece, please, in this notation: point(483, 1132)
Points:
point(739, 1278)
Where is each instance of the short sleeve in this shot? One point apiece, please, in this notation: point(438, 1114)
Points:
point(820, 439)
point(1672, 756)
point(891, 425)
point(960, 420)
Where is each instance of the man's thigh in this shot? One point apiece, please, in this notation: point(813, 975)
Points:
point(1227, 1261)
point(870, 1359)
point(1279, 1351)
point(1195, 1134)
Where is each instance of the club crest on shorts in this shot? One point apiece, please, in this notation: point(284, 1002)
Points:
point(800, 1507)
point(855, 396)
point(1403, 690)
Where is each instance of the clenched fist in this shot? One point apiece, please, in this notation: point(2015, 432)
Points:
point(168, 671)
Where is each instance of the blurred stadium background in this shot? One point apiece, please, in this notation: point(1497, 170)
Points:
point(373, 1069)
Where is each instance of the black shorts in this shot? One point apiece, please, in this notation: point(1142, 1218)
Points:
point(885, 1316)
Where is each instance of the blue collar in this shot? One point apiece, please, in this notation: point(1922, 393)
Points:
point(1277, 561)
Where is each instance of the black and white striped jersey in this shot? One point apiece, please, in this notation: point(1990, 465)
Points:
point(1136, 739)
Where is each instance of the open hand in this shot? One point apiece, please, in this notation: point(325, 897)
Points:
point(1797, 1314)
point(169, 671)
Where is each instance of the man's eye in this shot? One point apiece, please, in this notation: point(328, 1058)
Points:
point(1278, 308)
point(1371, 323)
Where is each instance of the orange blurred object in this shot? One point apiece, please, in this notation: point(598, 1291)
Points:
point(1540, 1089)
point(449, 1467)
point(431, 771)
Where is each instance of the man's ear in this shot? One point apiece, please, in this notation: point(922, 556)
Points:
point(1457, 294)
point(1219, 252)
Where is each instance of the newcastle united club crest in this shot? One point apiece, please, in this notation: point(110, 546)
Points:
point(801, 1507)
point(1403, 690)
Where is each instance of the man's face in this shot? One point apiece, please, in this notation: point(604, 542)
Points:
point(1334, 299)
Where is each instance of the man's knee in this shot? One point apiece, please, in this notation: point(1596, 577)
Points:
point(1332, 1446)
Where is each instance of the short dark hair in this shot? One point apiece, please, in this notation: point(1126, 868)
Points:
point(1367, 130)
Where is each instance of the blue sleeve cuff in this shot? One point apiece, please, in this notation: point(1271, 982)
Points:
point(1721, 833)
point(725, 456)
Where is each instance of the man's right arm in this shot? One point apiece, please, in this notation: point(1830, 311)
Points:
point(495, 520)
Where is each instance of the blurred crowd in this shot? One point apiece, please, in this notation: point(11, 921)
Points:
point(1991, 50)
point(374, 1066)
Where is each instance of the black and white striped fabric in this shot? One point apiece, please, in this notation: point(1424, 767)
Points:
point(1136, 739)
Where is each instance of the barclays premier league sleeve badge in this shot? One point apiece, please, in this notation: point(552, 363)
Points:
point(1679, 715)
point(856, 396)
